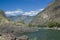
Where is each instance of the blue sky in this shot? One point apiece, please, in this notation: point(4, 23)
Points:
point(25, 7)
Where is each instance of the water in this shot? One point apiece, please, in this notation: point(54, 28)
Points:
point(44, 34)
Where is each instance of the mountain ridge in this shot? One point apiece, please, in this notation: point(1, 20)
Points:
point(49, 14)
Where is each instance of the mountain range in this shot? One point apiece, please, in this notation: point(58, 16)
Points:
point(24, 18)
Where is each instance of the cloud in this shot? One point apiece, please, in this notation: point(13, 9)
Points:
point(30, 13)
point(41, 9)
point(15, 12)
point(33, 13)
point(21, 12)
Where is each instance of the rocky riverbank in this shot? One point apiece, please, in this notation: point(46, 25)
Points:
point(10, 36)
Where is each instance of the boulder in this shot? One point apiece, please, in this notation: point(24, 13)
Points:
point(24, 37)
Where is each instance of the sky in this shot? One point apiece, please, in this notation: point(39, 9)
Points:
point(23, 7)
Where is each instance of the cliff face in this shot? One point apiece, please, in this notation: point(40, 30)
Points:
point(50, 13)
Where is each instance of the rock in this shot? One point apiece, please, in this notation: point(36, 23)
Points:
point(24, 37)
point(7, 37)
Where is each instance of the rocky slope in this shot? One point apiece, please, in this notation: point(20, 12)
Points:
point(8, 26)
point(50, 13)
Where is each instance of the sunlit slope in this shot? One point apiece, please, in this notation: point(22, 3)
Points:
point(49, 14)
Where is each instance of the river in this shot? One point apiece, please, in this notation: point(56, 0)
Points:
point(43, 34)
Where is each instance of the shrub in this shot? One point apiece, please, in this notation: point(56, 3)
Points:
point(58, 24)
point(53, 24)
point(31, 25)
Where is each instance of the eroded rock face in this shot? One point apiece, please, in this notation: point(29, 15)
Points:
point(50, 13)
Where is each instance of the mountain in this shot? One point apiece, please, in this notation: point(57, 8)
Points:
point(7, 26)
point(2, 13)
point(24, 18)
point(50, 14)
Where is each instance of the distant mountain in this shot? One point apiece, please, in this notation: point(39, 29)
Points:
point(24, 18)
point(50, 14)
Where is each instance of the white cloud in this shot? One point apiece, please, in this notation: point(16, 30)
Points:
point(41, 9)
point(15, 12)
point(32, 13)
point(21, 12)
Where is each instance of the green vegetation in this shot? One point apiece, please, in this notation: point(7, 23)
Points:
point(0, 19)
point(41, 26)
point(20, 22)
point(53, 24)
point(31, 25)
